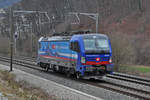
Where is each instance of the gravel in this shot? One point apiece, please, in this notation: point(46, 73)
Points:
point(86, 88)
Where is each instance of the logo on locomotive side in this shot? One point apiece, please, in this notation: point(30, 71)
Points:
point(53, 46)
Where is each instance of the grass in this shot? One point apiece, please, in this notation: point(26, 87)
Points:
point(20, 90)
point(142, 69)
point(139, 70)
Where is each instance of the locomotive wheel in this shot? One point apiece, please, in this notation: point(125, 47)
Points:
point(71, 73)
point(77, 75)
point(47, 67)
point(68, 74)
point(40, 65)
point(53, 68)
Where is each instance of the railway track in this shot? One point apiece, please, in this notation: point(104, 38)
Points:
point(122, 89)
point(30, 59)
point(26, 59)
point(115, 75)
point(21, 62)
point(126, 90)
point(130, 78)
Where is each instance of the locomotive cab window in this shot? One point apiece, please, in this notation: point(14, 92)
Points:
point(96, 44)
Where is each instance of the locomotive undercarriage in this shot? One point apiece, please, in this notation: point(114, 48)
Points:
point(92, 71)
point(58, 67)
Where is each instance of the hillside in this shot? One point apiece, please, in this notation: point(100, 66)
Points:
point(110, 11)
point(126, 21)
point(126, 17)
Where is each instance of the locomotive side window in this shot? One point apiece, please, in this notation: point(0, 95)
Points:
point(71, 46)
point(75, 46)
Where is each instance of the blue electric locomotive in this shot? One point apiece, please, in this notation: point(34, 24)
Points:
point(83, 55)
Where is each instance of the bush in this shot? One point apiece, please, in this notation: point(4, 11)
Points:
point(123, 50)
point(4, 46)
point(144, 56)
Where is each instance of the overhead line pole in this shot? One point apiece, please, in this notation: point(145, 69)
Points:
point(141, 5)
point(11, 38)
point(97, 22)
point(94, 16)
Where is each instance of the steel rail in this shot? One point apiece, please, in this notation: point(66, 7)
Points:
point(125, 90)
point(129, 79)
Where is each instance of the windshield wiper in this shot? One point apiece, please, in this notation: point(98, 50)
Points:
point(105, 51)
point(97, 52)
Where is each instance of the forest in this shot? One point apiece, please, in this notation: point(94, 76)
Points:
point(126, 22)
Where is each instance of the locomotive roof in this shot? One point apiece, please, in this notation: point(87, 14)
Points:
point(67, 38)
point(55, 38)
point(93, 34)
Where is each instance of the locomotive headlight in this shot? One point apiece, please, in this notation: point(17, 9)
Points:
point(110, 60)
point(83, 60)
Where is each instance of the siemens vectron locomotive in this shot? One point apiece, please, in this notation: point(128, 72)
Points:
point(82, 55)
